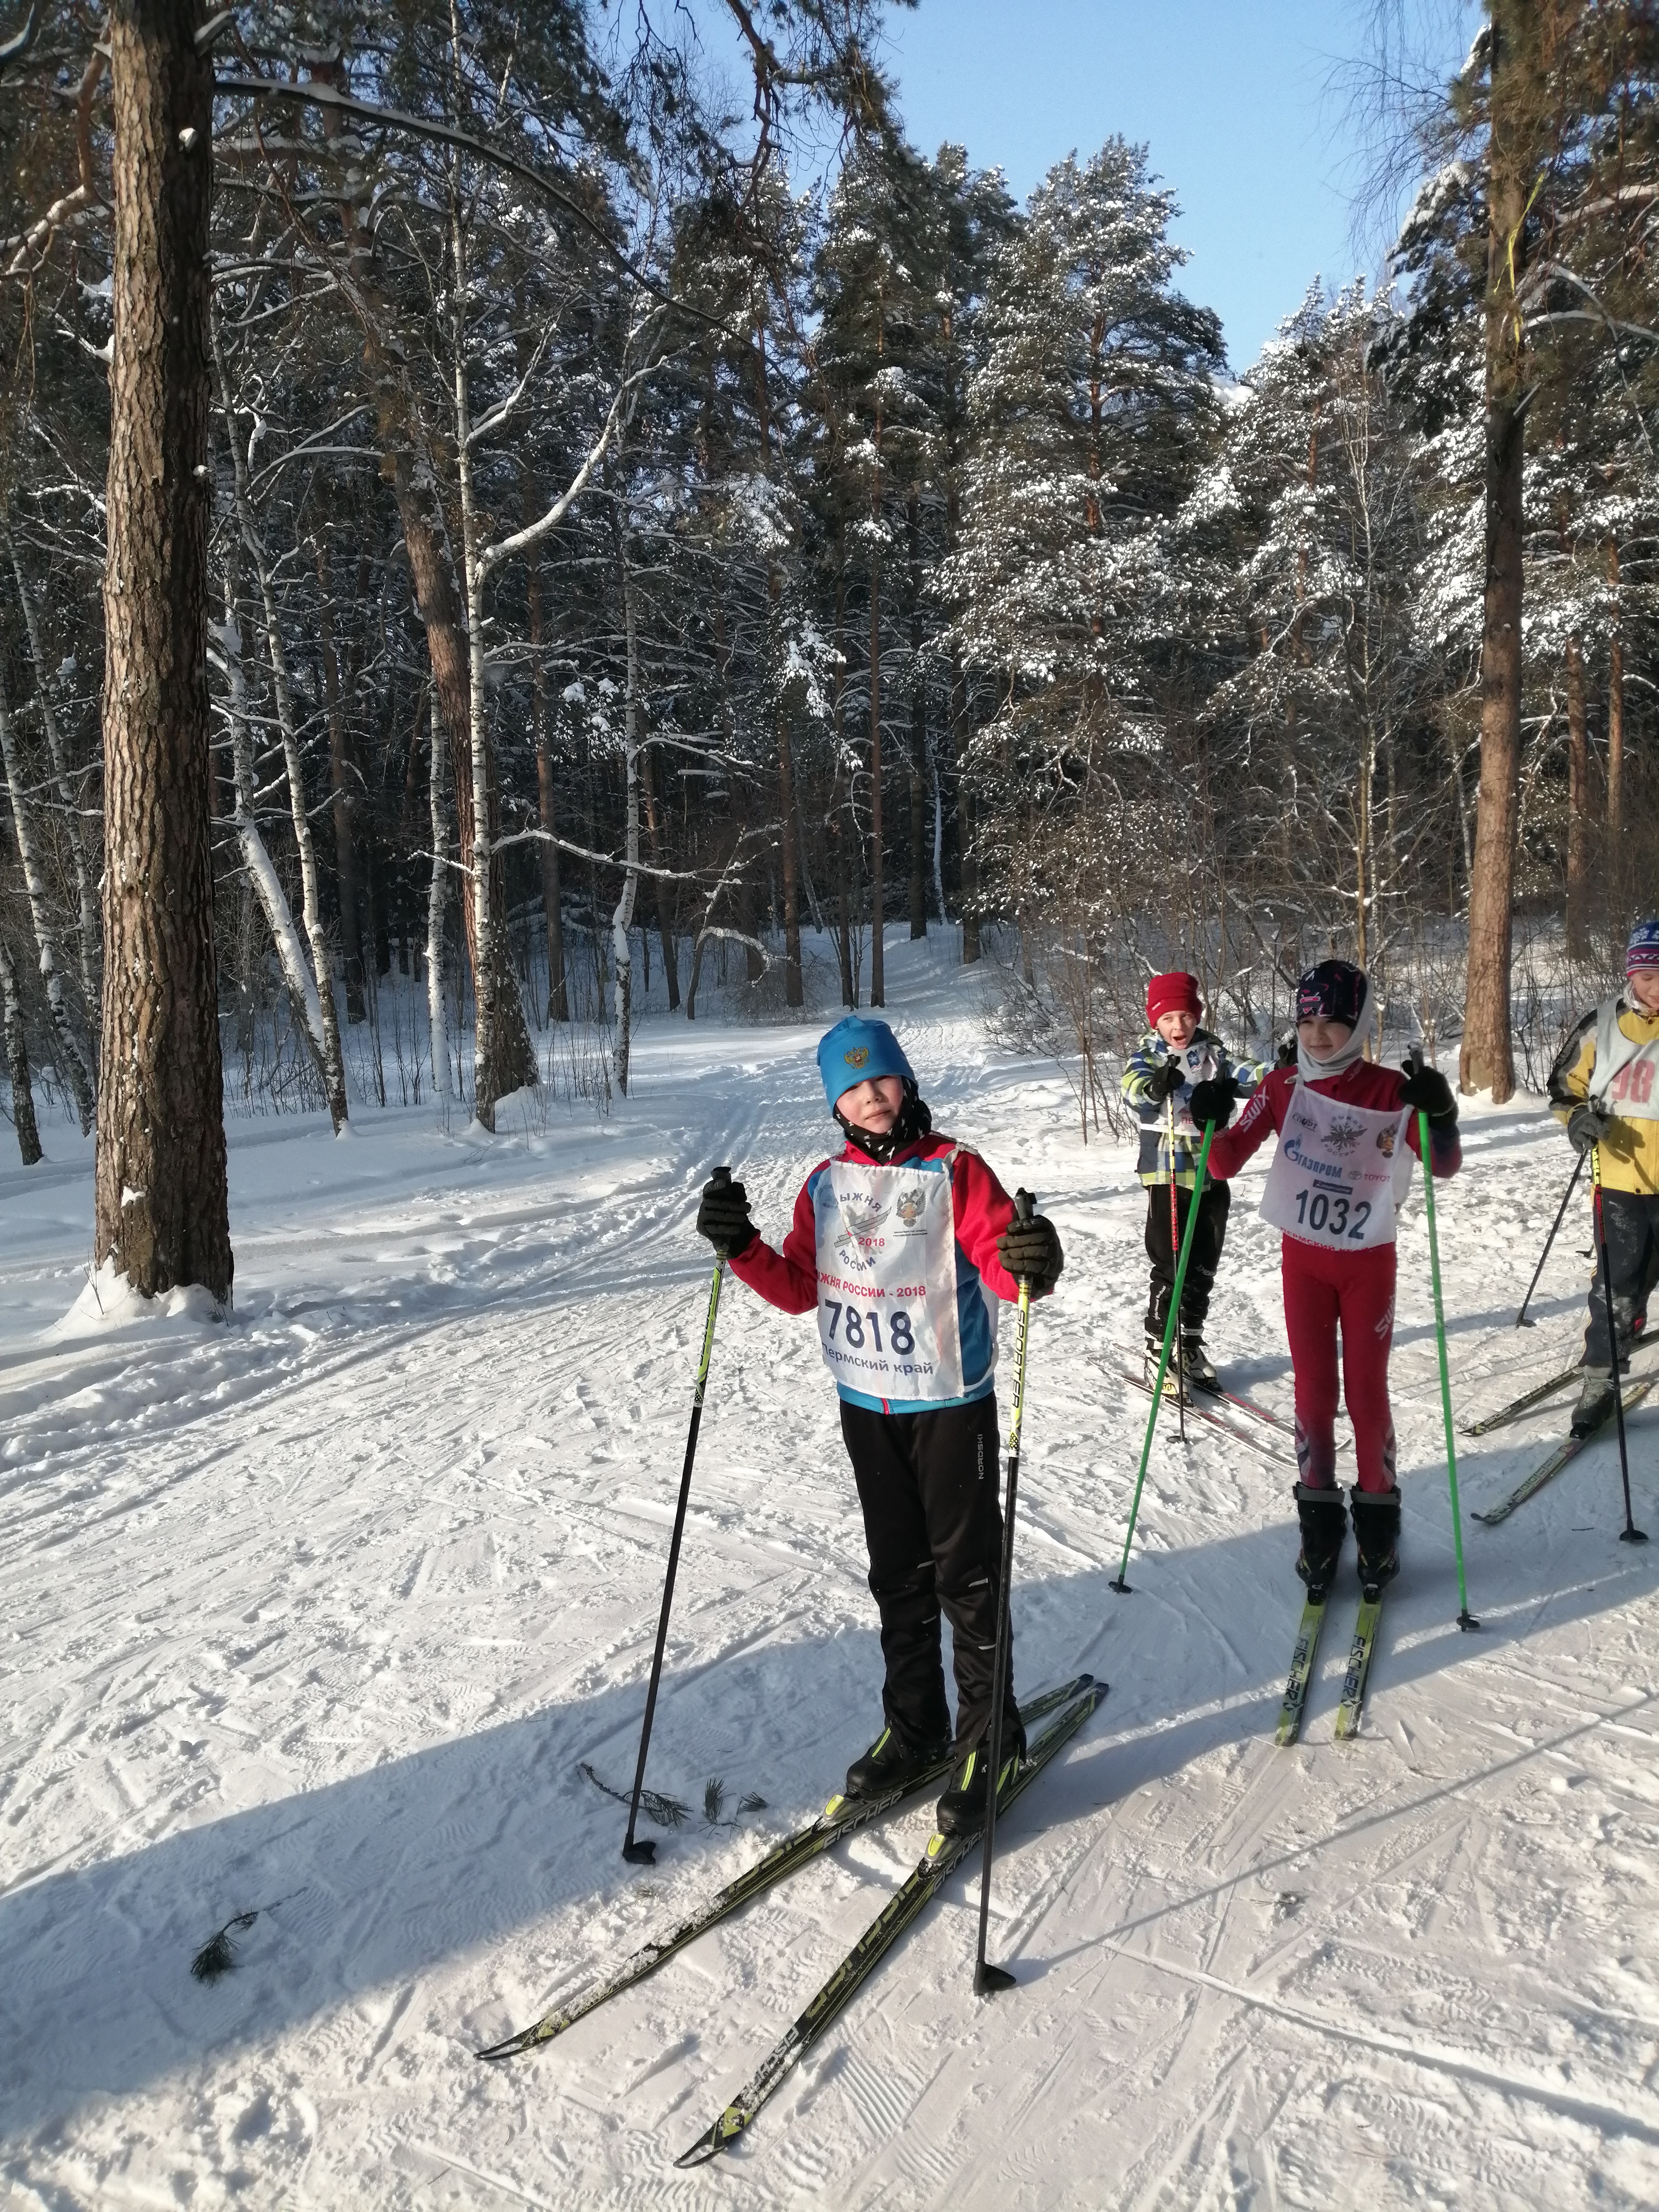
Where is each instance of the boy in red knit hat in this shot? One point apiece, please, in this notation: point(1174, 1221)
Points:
point(1157, 1082)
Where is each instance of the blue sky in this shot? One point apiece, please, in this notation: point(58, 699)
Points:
point(1235, 98)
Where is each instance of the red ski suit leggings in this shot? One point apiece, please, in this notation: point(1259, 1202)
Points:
point(1354, 1290)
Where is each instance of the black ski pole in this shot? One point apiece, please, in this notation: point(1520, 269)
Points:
point(986, 1978)
point(1629, 1533)
point(1175, 1248)
point(1520, 1320)
point(644, 1853)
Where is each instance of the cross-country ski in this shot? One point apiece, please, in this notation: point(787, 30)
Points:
point(944, 1853)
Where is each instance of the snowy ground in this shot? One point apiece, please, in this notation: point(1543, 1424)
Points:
point(316, 1614)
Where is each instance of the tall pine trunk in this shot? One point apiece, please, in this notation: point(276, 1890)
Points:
point(918, 724)
point(1486, 1061)
point(1578, 825)
point(161, 1210)
point(1615, 728)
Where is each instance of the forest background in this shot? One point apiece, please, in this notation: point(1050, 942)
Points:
point(633, 529)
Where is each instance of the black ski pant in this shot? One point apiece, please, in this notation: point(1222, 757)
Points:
point(932, 1519)
point(1206, 1256)
point(1630, 1221)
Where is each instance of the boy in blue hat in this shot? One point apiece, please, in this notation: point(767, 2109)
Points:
point(1604, 1086)
point(899, 1243)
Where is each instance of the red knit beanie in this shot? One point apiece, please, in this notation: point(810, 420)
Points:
point(1175, 994)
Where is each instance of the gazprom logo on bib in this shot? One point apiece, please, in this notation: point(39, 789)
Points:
point(856, 1055)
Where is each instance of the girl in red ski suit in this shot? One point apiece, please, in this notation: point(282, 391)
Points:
point(1338, 1252)
point(902, 1244)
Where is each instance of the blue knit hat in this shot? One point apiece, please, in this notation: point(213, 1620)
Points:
point(1643, 950)
point(855, 1051)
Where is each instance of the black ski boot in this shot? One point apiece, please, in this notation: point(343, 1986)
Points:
point(1376, 1536)
point(961, 1810)
point(1324, 1524)
point(1594, 1404)
point(890, 1763)
point(1197, 1365)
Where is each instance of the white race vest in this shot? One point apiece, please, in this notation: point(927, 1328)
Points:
point(1626, 1074)
point(1198, 1063)
point(887, 1279)
point(1339, 1173)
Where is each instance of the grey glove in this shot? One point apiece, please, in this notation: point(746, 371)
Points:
point(1587, 1125)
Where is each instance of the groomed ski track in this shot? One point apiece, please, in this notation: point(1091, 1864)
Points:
point(316, 1612)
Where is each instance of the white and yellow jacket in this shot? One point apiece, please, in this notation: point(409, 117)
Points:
point(1612, 1056)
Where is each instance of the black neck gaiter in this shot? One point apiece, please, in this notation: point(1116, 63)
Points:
point(912, 1121)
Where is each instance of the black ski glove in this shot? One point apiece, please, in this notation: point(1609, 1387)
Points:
point(1213, 1100)
point(1166, 1078)
point(1587, 1125)
point(723, 1216)
point(1427, 1091)
point(1031, 1249)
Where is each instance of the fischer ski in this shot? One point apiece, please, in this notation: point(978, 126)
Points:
point(1523, 1404)
point(943, 1855)
point(1216, 1420)
point(1302, 1666)
point(1567, 1450)
point(1359, 1665)
point(841, 1816)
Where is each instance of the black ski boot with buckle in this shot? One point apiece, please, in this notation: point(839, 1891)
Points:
point(1324, 1524)
point(1376, 1536)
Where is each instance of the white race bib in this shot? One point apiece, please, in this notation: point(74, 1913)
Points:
point(1339, 1173)
point(1625, 1073)
point(888, 1319)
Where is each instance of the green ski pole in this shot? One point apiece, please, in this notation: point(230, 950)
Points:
point(1466, 1619)
point(1122, 1584)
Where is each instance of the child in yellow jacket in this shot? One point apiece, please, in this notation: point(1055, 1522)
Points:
point(1604, 1087)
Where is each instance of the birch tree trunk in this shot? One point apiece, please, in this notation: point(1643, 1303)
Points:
point(437, 1021)
point(622, 918)
point(161, 1213)
point(267, 884)
point(322, 960)
point(345, 809)
point(558, 996)
point(85, 904)
point(68, 1051)
point(17, 1061)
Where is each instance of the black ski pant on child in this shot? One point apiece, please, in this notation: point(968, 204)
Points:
point(1630, 1220)
point(932, 1519)
point(1202, 1263)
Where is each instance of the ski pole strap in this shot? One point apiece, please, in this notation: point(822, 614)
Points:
point(1465, 1619)
point(1122, 1584)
